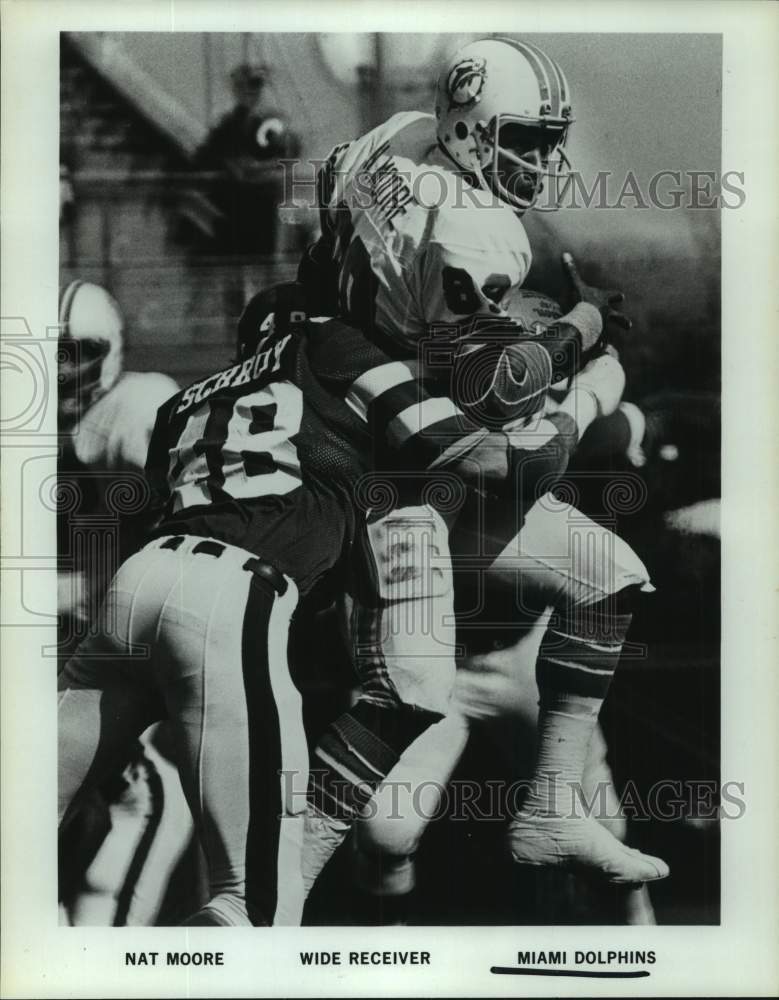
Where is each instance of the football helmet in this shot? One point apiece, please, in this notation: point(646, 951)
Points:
point(89, 357)
point(504, 111)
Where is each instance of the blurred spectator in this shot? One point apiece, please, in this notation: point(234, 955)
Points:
point(245, 147)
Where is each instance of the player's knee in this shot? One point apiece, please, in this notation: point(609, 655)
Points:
point(387, 835)
point(628, 570)
point(608, 566)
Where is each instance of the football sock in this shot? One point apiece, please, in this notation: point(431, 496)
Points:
point(576, 664)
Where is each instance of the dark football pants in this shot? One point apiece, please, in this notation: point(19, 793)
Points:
point(189, 633)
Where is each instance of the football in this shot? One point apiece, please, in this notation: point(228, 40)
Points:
point(534, 310)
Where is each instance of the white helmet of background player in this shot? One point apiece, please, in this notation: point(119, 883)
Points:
point(90, 346)
point(504, 111)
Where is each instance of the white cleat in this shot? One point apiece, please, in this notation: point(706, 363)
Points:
point(580, 844)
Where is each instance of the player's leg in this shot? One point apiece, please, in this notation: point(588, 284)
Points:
point(590, 577)
point(237, 722)
point(492, 683)
point(401, 633)
point(166, 835)
point(500, 683)
point(388, 832)
point(150, 828)
point(107, 697)
point(492, 686)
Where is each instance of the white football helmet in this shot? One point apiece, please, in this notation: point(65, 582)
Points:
point(90, 345)
point(504, 110)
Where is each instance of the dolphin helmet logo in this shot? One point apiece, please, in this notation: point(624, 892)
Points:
point(465, 82)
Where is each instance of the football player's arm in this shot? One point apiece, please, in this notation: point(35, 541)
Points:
point(569, 340)
point(413, 424)
point(158, 458)
point(414, 427)
point(460, 288)
point(537, 453)
point(326, 183)
point(134, 424)
point(531, 362)
point(520, 463)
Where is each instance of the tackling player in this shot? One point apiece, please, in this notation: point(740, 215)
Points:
point(254, 501)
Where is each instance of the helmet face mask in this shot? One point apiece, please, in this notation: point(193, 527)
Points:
point(504, 112)
point(523, 157)
point(79, 376)
point(89, 351)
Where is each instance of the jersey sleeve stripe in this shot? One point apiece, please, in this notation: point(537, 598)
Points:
point(454, 447)
point(438, 445)
point(419, 417)
point(372, 384)
point(532, 438)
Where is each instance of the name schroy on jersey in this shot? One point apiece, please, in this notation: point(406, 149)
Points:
point(230, 435)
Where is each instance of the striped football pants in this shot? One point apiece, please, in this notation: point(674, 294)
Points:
point(190, 631)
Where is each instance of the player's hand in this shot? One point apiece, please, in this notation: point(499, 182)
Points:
point(604, 377)
point(604, 300)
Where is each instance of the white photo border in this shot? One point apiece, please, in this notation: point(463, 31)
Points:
point(739, 957)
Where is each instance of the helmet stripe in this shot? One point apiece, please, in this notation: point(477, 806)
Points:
point(554, 77)
point(66, 302)
point(563, 82)
point(535, 64)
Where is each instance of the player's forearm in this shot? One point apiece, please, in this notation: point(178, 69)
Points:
point(581, 405)
point(521, 462)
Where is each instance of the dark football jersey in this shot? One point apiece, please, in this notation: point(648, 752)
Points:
point(242, 456)
point(268, 453)
point(399, 415)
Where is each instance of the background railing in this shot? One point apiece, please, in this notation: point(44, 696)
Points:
point(148, 236)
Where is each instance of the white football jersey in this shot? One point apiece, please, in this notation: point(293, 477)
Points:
point(113, 435)
point(414, 244)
